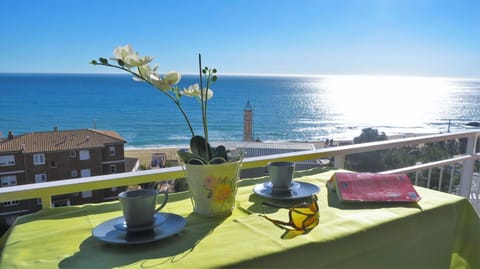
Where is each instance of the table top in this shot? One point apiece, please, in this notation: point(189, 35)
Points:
point(440, 231)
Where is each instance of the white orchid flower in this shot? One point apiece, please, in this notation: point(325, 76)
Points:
point(172, 77)
point(145, 71)
point(122, 52)
point(128, 60)
point(158, 82)
point(194, 91)
point(129, 57)
point(165, 83)
point(135, 60)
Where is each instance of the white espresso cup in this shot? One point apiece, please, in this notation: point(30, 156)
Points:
point(138, 206)
point(281, 174)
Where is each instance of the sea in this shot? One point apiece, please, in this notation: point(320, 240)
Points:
point(285, 108)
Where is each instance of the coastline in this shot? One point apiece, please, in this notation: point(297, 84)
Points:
point(144, 155)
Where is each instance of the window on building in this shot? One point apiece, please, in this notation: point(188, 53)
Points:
point(87, 194)
point(39, 159)
point(73, 154)
point(7, 160)
point(112, 151)
point(85, 173)
point(53, 164)
point(74, 173)
point(113, 168)
point(8, 180)
point(40, 178)
point(10, 203)
point(59, 203)
point(84, 155)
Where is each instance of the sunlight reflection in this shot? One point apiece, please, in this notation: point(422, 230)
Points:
point(378, 100)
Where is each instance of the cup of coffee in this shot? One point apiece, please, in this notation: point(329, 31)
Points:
point(281, 174)
point(138, 207)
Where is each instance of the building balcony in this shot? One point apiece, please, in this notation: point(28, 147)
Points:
point(463, 164)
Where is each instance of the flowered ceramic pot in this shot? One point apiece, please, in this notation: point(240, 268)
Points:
point(213, 187)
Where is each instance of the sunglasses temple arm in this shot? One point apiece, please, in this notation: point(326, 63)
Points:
point(277, 222)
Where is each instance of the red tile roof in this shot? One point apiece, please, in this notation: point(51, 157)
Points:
point(60, 140)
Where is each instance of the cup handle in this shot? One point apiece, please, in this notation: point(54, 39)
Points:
point(164, 201)
point(268, 167)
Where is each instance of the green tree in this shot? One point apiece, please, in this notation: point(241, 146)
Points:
point(369, 135)
point(407, 156)
point(368, 161)
point(180, 184)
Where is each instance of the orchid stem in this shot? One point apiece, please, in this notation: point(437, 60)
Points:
point(203, 95)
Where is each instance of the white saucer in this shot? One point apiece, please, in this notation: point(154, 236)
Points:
point(304, 190)
point(108, 233)
point(122, 225)
point(293, 185)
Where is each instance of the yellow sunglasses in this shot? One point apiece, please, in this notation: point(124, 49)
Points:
point(302, 217)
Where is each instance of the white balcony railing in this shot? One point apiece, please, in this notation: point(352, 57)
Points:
point(466, 161)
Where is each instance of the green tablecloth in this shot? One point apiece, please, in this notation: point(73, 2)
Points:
point(441, 231)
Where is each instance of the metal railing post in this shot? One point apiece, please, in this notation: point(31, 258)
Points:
point(46, 201)
point(467, 171)
point(440, 179)
point(339, 161)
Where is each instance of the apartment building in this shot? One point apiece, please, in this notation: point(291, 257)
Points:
point(54, 155)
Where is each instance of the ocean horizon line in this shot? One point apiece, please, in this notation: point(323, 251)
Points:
point(285, 75)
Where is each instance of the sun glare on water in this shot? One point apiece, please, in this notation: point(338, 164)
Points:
point(379, 100)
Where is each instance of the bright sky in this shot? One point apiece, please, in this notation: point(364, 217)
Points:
point(375, 37)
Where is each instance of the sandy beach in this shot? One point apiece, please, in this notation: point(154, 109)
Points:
point(145, 154)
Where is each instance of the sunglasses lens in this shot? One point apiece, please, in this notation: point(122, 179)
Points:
point(302, 217)
point(311, 222)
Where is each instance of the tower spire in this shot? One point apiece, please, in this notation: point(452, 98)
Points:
point(248, 122)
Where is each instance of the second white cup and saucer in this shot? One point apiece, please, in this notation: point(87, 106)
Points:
point(281, 185)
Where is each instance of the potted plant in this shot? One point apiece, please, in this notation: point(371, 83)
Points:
point(211, 172)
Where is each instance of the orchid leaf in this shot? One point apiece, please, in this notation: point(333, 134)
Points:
point(185, 156)
point(220, 152)
point(189, 158)
point(200, 147)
